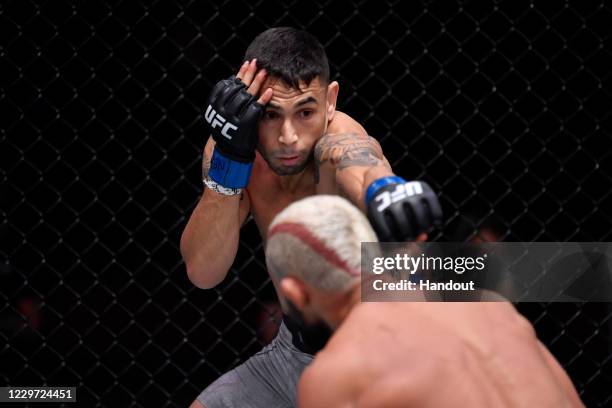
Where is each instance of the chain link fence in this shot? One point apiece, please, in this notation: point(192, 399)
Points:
point(503, 107)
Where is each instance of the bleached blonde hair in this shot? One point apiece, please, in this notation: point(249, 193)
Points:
point(318, 239)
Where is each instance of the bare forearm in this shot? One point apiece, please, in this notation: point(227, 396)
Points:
point(210, 239)
point(356, 182)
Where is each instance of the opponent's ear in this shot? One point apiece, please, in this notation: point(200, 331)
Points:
point(332, 97)
point(295, 291)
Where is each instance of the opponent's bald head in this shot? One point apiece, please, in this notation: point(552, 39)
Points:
point(318, 240)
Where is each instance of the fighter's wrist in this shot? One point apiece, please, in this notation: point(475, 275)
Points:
point(380, 183)
point(217, 188)
point(227, 172)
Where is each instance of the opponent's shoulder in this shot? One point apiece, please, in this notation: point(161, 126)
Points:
point(328, 381)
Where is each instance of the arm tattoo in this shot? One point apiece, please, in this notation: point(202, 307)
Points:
point(205, 167)
point(347, 149)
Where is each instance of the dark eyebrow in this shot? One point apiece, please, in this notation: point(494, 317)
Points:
point(306, 101)
point(310, 99)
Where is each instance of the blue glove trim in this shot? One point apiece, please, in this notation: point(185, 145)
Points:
point(381, 182)
point(229, 173)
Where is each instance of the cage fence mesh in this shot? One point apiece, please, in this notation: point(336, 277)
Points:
point(502, 106)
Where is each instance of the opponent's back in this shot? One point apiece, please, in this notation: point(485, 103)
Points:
point(436, 354)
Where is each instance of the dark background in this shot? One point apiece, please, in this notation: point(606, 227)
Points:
point(503, 107)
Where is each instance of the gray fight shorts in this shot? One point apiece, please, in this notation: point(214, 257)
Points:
point(266, 380)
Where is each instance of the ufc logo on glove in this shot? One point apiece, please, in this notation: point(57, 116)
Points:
point(215, 120)
point(401, 191)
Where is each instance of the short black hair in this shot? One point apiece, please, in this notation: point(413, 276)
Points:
point(291, 55)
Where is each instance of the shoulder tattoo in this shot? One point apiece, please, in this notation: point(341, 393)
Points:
point(347, 149)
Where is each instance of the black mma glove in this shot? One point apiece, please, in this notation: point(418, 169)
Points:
point(399, 210)
point(232, 115)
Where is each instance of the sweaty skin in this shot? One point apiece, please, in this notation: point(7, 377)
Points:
point(352, 370)
point(343, 158)
point(423, 354)
point(268, 196)
point(337, 155)
point(305, 147)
